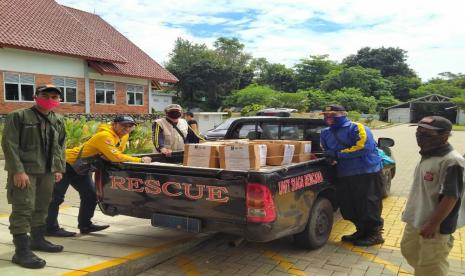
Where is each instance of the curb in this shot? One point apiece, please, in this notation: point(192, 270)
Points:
point(141, 261)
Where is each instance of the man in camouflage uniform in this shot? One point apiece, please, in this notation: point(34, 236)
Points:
point(34, 147)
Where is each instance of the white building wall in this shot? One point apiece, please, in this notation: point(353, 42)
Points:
point(399, 115)
point(39, 63)
point(460, 117)
point(208, 120)
point(159, 102)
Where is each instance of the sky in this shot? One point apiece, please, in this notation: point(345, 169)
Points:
point(285, 31)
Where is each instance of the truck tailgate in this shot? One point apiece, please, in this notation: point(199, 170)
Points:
point(141, 189)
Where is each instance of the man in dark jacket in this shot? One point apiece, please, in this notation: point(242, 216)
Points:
point(352, 149)
point(34, 147)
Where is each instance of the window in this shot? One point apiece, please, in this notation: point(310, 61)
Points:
point(68, 88)
point(19, 87)
point(270, 131)
point(135, 95)
point(104, 92)
point(292, 131)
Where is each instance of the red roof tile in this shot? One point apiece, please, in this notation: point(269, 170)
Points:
point(139, 63)
point(45, 26)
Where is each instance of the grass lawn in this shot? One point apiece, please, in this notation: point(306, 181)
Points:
point(458, 127)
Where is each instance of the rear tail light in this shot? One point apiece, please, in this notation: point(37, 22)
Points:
point(260, 205)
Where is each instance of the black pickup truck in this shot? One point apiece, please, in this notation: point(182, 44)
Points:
point(259, 205)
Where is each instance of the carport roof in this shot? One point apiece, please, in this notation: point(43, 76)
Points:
point(432, 98)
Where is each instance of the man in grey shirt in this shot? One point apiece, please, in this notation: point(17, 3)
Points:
point(433, 211)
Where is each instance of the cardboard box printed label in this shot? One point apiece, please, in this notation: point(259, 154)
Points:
point(201, 155)
point(240, 156)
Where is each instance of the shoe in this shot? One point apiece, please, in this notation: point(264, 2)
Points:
point(353, 237)
point(39, 243)
point(60, 232)
point(23, 255)
point(93, 228)
point(370, 240)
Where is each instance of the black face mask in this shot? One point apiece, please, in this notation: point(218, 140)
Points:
point(174, 114)
point(428, 142)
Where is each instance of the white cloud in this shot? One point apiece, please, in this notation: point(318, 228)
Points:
point(431, 31)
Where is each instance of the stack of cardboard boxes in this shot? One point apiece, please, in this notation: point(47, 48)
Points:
point(245, 154)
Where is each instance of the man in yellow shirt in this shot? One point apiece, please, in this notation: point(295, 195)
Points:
point(109, 143)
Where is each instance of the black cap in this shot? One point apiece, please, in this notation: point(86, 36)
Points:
point(124, 119)
point(48, 88)
point(435, 123)
point(334, 108)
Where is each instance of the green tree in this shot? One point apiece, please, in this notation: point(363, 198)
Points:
point(252, 94)
point(297, 100)
point(318, 99)
point(207, 76)
point(436, 86)
point(401, 86)
point(368, 80)
point(353, 99)
point(278, 77)
point(387, 101)
point(309, 72)
point(389, 61)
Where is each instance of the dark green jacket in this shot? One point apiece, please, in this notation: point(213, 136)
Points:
point(26, 137)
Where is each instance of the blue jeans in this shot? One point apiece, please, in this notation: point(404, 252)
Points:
point(86, 188)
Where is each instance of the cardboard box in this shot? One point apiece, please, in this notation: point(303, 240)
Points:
point(279, 154)
point(241, 156)
point(201, 155)
point(302, 152)
point(302, 149)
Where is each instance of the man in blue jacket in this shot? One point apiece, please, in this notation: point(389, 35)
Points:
point(352, 149)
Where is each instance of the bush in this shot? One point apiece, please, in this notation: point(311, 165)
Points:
point(78, 131)
point(354, 115)
point(250, 110)
point(140, 139)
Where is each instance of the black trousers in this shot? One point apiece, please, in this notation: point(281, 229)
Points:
point(86, 188)
point(360, 199)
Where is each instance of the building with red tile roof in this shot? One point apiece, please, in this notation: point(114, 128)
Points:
point(98, 68)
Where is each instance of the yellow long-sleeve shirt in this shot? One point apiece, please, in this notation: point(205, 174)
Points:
point(105, 142)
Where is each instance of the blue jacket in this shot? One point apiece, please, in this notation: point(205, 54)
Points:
point(359, 155)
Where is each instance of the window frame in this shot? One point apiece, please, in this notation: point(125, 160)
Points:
point(104, 92)
point(135, 93)
point(63, 89)
point(5, 82)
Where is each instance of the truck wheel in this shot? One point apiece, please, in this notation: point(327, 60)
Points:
point(319, 225)
point(387, 179)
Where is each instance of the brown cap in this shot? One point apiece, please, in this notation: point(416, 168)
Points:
point(48, 88)
point(173, 107)
point(435, 123)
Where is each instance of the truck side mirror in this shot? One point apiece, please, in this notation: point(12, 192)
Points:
point(385, 142)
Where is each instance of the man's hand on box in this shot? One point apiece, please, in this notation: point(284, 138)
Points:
point(146, 159)
point(166, 152)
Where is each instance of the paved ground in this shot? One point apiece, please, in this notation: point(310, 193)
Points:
point(281, 257)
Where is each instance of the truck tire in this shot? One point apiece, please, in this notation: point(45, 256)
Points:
point(387, 179)
point(319, 225)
